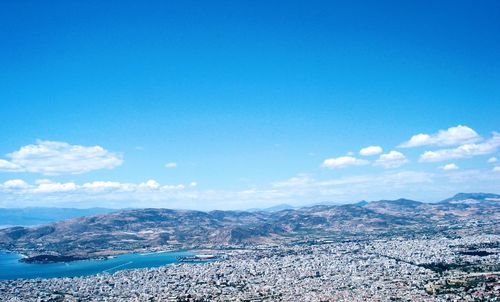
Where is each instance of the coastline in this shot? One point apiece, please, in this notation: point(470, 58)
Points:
point(53, 258)
point(13, 268)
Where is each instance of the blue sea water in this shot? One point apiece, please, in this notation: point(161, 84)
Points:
point(12, 268)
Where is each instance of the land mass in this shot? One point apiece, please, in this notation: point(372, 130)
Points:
point(165, 229)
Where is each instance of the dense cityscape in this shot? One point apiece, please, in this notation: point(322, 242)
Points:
point(397, 269)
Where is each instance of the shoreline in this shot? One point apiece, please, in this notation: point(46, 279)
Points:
point(15, 269)
point(51, 259)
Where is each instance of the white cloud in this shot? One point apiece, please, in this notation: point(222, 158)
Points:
point(299, 180)
point(53, 187)
point(449, 167)
point(464, 151)
point(193, 184)
point(14, 184)
point(103, 185)
point(8, 166)
point(42, 181)
point(171, 165)
point(343, 161)
point(380, 180)
point(451, 137)
point(496, 169)
point(299, 190)
point(392, 159)
point(55, 158)
point(48, 186)
point(349, 188)
point(150, 184)
point(492, 160)
point(371, 150)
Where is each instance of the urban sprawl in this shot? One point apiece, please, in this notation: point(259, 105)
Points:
point(425, 268)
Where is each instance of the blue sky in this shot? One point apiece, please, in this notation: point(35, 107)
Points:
point(249, 100)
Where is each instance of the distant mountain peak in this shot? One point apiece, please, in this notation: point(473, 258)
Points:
point(279, 207)
point(405, 200)
point(476, 196)
point(361, 203)
point(399, 202)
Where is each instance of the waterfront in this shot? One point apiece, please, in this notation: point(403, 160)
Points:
point(12, 268)
point(377, 269)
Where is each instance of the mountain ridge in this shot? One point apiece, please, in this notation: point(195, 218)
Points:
point(152, 228)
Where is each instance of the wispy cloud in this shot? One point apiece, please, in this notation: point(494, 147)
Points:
point(463, 151)
point(403, 177)
point(449, 167)
point(171, 165)
point(7, 166)
point(299, 190)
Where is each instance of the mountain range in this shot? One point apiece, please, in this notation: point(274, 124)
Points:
point(154, 229)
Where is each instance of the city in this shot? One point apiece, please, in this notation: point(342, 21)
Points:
point(398, 269)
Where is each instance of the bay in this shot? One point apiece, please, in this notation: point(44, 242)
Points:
point(12, 268)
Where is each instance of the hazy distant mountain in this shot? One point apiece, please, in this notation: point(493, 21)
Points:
point(35, 216)
point(473, 196)
point(138, 229)
point(397, 207)
point(279, 207)
point(361, 203)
